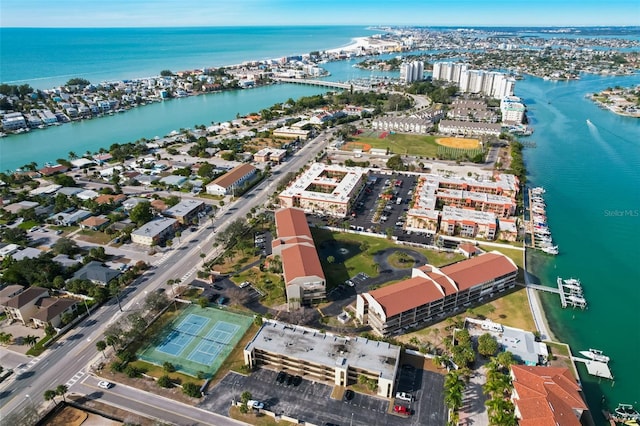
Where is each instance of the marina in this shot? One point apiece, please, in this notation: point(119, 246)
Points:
point(539, 233)
point(569, 290)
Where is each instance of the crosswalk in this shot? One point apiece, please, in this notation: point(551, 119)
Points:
point(163, 259)
point(76, 377)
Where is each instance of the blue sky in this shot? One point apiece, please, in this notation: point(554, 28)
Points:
point(160, 13)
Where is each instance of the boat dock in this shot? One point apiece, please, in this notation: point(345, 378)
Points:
point(595, 368)
point(570, 292)
point(536, 226)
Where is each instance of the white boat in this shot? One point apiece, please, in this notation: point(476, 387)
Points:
point(627, 412)
point(538, 190)
point(595, 355)
point(550, 250)
point(572, 281)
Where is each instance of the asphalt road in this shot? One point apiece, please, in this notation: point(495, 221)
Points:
point(66, 361)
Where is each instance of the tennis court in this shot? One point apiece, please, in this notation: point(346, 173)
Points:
point(198, 340)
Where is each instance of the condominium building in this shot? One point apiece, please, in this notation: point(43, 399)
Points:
point(324, 357)
point(466, 207)
point(411, 71)
point(432, 294)
point(326, 189)
point(304, 279)
point(233, 179)
point(512, 109)
point(489, 83)
point(458, 127)
point(468, 223)
point(154, 232)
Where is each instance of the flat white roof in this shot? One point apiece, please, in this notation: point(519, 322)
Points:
point(341, 192)
point(458, 214)
point(155, 227)
point(326, 349)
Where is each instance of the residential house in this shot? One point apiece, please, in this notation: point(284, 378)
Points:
point(23, 306)
point(548, 396)
point(94, 223)
point(51, 310)
point(97, 273)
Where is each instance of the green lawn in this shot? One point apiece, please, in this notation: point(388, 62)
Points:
point(96, 237)
point(361, 251)
point(405, 144)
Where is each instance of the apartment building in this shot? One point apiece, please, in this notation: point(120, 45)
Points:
point(432, 294)
point(304, 278)
point(326, 189)
point(323, 357)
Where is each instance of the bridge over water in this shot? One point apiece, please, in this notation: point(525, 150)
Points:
point(322, 83)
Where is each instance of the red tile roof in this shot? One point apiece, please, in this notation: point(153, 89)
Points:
point(110, 198)
point(547, 396)
point(407, 295)
point(292, 222)
point(480, 269)
point(301, 261)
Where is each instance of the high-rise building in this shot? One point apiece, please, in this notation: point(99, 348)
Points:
point(411, 71)
point(489, 83)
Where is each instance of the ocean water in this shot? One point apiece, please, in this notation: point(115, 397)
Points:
point(47, 57)
point(590, 172)
point(592, 180)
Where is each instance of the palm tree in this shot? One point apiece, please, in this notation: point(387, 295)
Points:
point(5, 338)
point(112, 340)
point(50, 395)
point(30, 340)
point(101, 345)
point(61, 390)
point(72, 155)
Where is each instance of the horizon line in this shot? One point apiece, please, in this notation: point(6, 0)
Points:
point(328, 25)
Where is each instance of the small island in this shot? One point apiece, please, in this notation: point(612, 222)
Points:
point(620, 100)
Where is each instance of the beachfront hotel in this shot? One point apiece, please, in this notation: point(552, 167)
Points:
point(327, 189)
point(324, 357)
point(304, 278)
point(432, 294)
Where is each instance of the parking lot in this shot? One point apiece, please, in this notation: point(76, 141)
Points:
point(311, 402)
point(398, 188)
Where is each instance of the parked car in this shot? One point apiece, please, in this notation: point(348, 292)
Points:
point(282, 376)
point(349, 394)
point(289, 380)
point(105, 385)
point(401, 409)
point(349, 283)
point(404, 396)
point(217, 287)
point(245, 284)
point(297, 380)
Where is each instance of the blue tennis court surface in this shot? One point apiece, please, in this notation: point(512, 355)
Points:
point(175, 343)
point(198, 340)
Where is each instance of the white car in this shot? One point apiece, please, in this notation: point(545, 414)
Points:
point(105, 385)
point(252, 403)
point(404, 396)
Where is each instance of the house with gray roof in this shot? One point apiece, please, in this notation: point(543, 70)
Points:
point(69, 218)
point(96, 272)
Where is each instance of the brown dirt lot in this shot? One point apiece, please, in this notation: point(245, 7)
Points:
point(463, 143)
